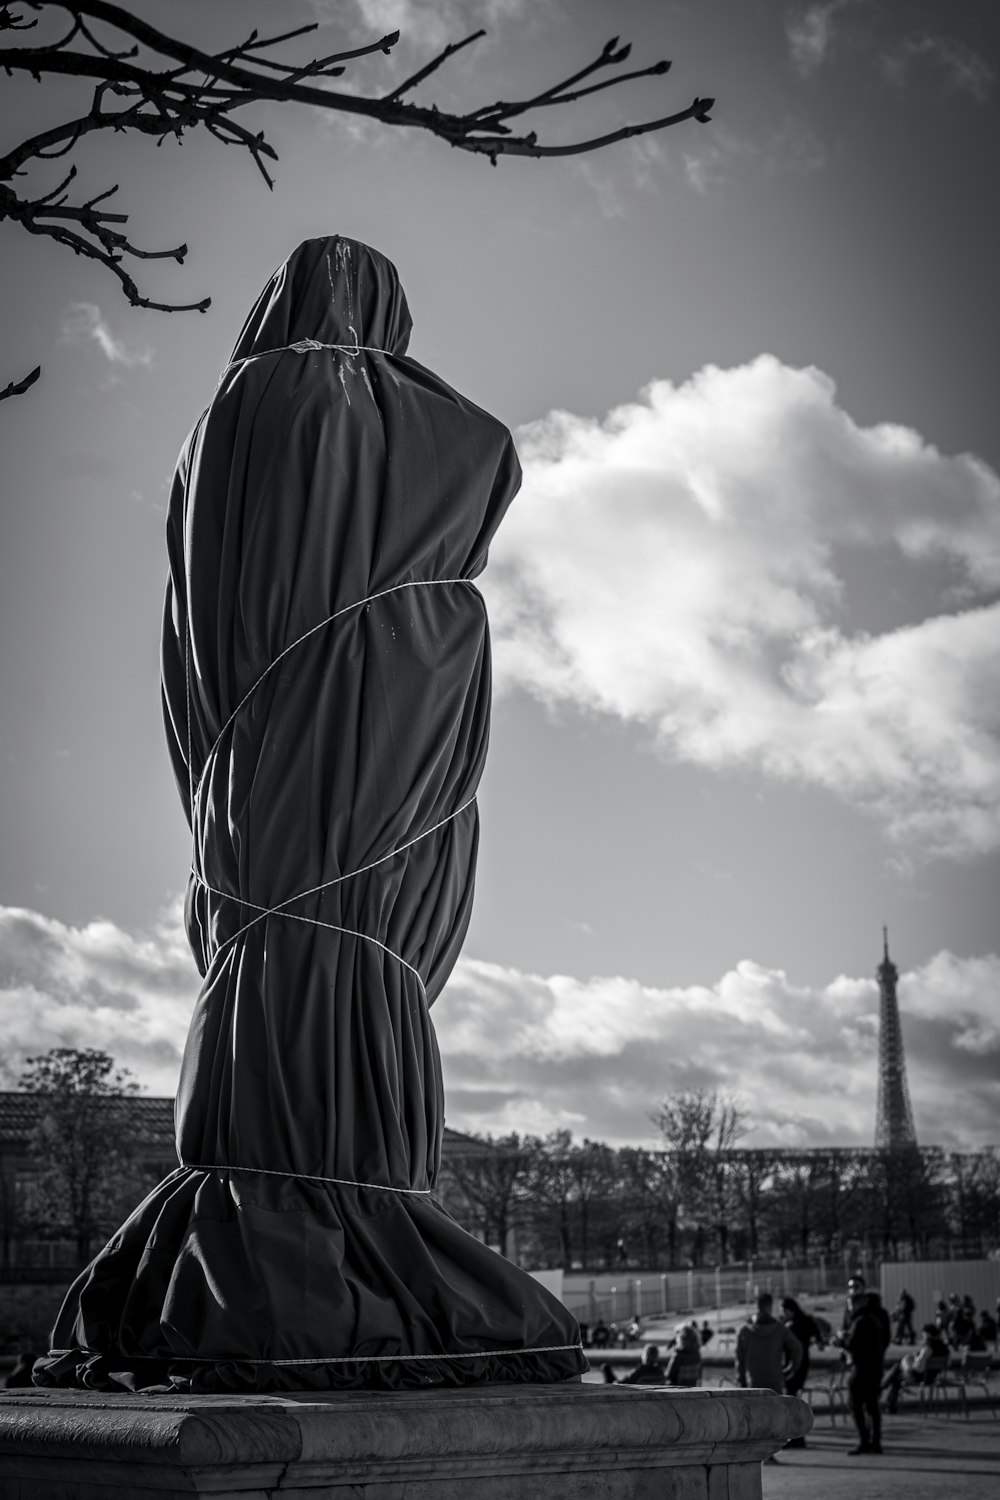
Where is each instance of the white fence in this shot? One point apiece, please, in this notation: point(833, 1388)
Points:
point(930, 1281)
point(619, 1296)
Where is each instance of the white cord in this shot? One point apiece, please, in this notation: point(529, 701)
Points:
point(380, 1187)
point(279, 910)
point(419, 583)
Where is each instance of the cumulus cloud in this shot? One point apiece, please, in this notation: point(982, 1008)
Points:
point(96, 986)
point(530, 1052)
point(84, 323)
point(680, 565)
point(425, 28)
point(424, 25)
point(595, 1056)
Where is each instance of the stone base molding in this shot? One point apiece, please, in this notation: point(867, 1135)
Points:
point(571, 1441)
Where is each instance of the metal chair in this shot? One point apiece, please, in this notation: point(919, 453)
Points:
point(834, 1389)
point(687, 1379)
point(973, 1369)
point(929, 1389)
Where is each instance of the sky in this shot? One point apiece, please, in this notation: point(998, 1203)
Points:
point(744, 610)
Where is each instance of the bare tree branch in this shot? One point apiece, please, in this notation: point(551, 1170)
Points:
point(18, 387)
point(432, 66)
point(162, 87)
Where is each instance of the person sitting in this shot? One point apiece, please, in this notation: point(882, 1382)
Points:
point(987, 1327)
point(649, 1370)
point(705, 1333)
point(600, 1334)
point(921, 1368)
point(684, 1368)
point(963, 1321)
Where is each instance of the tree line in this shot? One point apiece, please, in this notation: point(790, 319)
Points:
point(699, 1200)
point(702, 1200)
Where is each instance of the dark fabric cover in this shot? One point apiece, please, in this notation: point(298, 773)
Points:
point(332, 765)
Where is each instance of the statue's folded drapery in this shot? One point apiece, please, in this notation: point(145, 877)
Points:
point(326, 681)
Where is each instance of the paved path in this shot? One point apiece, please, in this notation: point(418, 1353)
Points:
point(924, 1459)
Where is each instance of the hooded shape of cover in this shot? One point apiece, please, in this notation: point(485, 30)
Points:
point(326, 686)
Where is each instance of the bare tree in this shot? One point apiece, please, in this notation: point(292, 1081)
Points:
point(162, 86)
point(593, 1169)
point(573, 1201)
point(83, 1145)
point(699, 1128)
point(552, 1189)
point(649, 1206)
point(490, 1183)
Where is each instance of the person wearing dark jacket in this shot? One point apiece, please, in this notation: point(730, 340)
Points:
point(866, 1346)
point(903, 1316)
point(649, 1370)
point(765, 1351)
point(855, 1286)
point(765, 1348)
point(962, 1324)
point(685, 1361)
point(807, 1331)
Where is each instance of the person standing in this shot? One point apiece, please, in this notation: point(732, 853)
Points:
point(866, 1346)
point(808, 1332)
point(855, 1286)
point(903, 1316)
point(765, 1348)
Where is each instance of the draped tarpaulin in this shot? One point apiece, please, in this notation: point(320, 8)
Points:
point(326, 683)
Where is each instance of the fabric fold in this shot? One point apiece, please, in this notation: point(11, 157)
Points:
point(326, 689)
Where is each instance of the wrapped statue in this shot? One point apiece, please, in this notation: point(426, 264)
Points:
point(326, 687)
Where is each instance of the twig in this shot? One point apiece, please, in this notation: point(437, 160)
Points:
point(162, 87)
point(432, 66)
point(18, 387)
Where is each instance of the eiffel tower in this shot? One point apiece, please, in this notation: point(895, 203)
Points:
point(893, 1119)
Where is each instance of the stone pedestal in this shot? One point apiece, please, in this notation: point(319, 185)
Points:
point(570, 1441)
